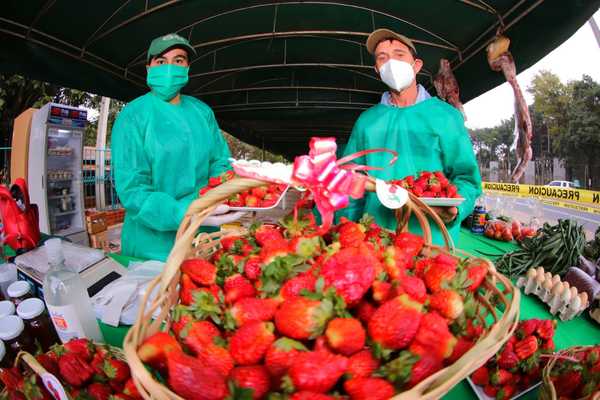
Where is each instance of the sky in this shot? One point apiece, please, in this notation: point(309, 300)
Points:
point(579, 55)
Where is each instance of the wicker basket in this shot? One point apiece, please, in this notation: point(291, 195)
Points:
point(547, 390)
point(190, 245)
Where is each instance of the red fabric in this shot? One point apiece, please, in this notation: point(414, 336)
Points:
point(20, 227)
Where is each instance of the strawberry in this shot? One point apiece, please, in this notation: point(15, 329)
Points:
point(99, 391)
point(116, 370)
point(82, 347)
point(433, 334)
point(476, 272)
point(199, 334)
point(268, 234)
point(281, 355)
point(381, 291)
point(188, 287)
point(259, 192)
point(506, 392)
point(302, 318)
point(235, 200)
point(395, 323)
point(251, 309)
point(362, 364)
point(214, 181)
point(567, 383)
point(249, 343)
point(74, 370)
point(190, 379)
point(237, 287)
point(462, 346)
point(345, 335)
point(11, 378)
point(448, 303)
point(500, 377)
point(120, 396)
point(507, 359)
point(351, 234)
point(252, 268)
point(412, 366)
point(474, 329)
point(395, 262)
point(305, 246)
point(369, 389)
point(322, 345)
point(154, 349)
point(526, 347)
point(439, 274)
point(316, 371)
point(216, 357)
point(251, 201)
point(490, 390)
point(351, 271)
point(181, 319)
point(549, 345)
point(481, 376)
point(409, 243)
point(364, 311)
point(269, 200)
point(131, 390)
point(421, 265)
point(48, 363)
point(200, 271)
point(414, 287)
point(253, 377)
point(292, 287)
point(306, 395)
point(545, 329)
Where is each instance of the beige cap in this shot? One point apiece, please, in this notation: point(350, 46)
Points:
point(380, 34)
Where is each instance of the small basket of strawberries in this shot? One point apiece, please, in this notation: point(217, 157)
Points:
point(573, 373)
point(433, 188)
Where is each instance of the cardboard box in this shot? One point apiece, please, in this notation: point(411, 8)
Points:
point(99, 240)
point(96, 223)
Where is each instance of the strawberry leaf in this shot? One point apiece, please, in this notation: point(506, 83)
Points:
point(204, 306)
point(399, 369)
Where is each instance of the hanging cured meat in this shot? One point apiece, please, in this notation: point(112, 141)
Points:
point(500, 59)
point(446, 86)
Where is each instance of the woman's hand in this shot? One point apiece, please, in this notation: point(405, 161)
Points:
point(447, 214)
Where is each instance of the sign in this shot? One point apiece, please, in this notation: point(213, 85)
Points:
point(544, 192)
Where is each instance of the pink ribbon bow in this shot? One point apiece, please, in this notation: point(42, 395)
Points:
point(331, 182)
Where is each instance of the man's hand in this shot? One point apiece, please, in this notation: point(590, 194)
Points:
point(447, 214)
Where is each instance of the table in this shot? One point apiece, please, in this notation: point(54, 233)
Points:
point(579, 331)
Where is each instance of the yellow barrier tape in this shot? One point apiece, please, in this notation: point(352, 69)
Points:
point(544, 192)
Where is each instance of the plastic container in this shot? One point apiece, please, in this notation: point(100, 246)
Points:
point(8, 275)
point(33, 313)
point(479, 220)
point(19, 291)
point(6, 308)
point(15, 337)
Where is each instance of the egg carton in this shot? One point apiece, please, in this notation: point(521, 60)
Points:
point(564, 300)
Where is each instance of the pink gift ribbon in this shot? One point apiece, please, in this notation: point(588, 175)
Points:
point(330, 182)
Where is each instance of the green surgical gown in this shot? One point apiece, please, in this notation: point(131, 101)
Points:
point(161, 155)
point(428, 136)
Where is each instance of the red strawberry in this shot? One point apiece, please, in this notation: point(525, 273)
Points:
point(545, 329)
point(216, 357)
point(364, 311)
point(448, 303)
point(461, 347)
point(259, 192)
point(395, 323)
point(235, 200)
point(249, 343)
point(188, 287)
point(11, 378)
point(507, 359)
point(199, 335)
point(281, 355)
point(411, 367)
point(421, 265)
point(409, 243)
point(74, 370)
point(362, 364)
point(476, 272)
point(317, 371)
point(292, 287)
point(500, 377)
point(305, 246)
point(116, 370)
point(190, 379)
point(131, 390)
point(433, 334)
point(251, 309)
point(345, 335)
point(369, 389)
point(526, 347)
point(302, 318)
point(414, 287)
point(506, 392)
point(181, 319)
point(567, 382)
point(490, 390)
point(439, 274)
point(251, 201)
point(48, 363)
point(269, 200)
point(474, 329)
point(351, 234)
point(253, 377)
point(99, 391)
point(548, 345)
point(214, 181)
point(237, 287)
point(252, 268)
point(396, 262)
point(82, 347)
point(200, 271)
point(481, 376)
point(154, 349)
point(268, 234)
point(351, 271)
point(306, 395)
point(381, 290)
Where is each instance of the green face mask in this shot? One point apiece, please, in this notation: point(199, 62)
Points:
point(167, 80)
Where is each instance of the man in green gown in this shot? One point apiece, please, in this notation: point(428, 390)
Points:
point(427, 133)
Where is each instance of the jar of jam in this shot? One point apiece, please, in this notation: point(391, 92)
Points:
point(6, 308)
point(33, 313)
point(19, 291)
point(4, 361)
point(15, 337)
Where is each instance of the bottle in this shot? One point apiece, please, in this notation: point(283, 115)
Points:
point(6, 308)
point(14, 336)
point(33, 313)
point(8, 275)
point(19, 291)
point(4, 361)
point(67, 299)
point(479, 217)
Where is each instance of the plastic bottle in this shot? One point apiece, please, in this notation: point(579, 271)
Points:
point(479, 217)
point(67, 299)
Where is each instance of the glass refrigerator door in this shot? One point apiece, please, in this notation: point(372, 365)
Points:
point(63, 169)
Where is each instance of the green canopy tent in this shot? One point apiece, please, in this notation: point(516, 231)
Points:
point(275, 72)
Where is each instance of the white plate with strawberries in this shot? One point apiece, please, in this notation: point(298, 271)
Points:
point(269, 200)
point(442, 201)
point(482, 396)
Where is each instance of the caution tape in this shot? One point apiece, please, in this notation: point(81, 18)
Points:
point(544, 192)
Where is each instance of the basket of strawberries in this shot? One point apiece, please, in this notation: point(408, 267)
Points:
point(79, 369)
point(290, 311)
point(573, 373)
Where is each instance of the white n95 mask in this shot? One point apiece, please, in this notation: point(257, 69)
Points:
point(397, 74)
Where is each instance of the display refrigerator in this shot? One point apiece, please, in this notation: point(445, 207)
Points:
point(55, 170)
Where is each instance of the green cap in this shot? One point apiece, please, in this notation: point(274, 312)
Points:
point(163, 43)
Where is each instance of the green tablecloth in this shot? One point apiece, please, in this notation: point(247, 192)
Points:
point(580, 331)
